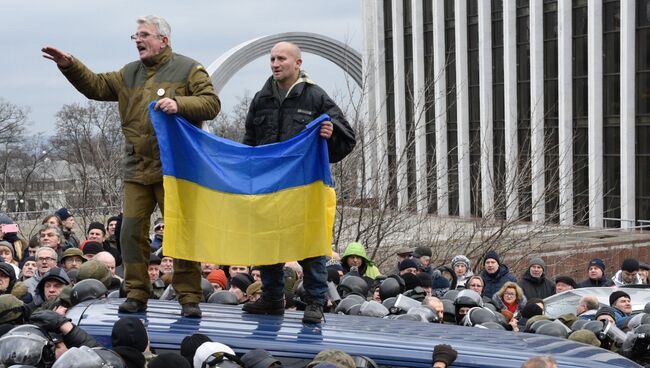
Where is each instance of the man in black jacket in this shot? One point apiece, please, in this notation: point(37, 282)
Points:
point(288, 101)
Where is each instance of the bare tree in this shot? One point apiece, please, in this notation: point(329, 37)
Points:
point(13, 119)
point(231, 125)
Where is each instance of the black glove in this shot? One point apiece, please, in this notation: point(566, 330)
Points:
point(48, 320)
point(444, 353)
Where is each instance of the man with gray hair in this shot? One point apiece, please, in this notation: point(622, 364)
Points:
point(46, 259)
point(179, 85)
point(587, 307)
point(51, 236)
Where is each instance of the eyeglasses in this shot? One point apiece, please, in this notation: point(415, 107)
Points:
point(143, 36)
point(509, 294)
point(46, 259)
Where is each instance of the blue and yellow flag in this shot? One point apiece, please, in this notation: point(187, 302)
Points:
point(232, 204)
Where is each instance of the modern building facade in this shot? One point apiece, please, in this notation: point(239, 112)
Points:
point(532, 110)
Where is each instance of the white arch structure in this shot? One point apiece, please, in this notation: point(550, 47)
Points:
point(344, 56)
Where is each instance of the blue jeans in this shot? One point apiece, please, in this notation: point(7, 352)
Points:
point(314, 280)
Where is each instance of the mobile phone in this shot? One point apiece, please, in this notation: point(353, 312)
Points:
point(9, 228)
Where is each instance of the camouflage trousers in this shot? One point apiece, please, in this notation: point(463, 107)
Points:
point(139, 203)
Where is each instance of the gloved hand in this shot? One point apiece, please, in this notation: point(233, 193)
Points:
point(48, 320)
point(444, 353)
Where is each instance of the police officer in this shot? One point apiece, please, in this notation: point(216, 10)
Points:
point(180, 85)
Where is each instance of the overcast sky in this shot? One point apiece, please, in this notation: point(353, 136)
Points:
point(97, 33)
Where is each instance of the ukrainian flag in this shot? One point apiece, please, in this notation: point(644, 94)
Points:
point(232, 204)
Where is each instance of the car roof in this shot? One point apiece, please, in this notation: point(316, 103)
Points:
point(388, 342)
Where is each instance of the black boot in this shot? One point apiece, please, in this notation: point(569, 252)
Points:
point(132, 306)
point(191, 310)
point(263, 306)
point(313, 313)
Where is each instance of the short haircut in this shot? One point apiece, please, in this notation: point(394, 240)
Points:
point(162, 27)
point(56, 229)
point(545, 361)
point(47, 249)
point(590, 301)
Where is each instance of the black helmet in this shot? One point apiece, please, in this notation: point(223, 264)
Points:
point(355, 310)
point(85, 357)
point(352, 285)
point(557, 329)
point(450, 311)
point(642, 329)
point(478, 315)
point(389, 303)
point(596, 327)
point(223, 297)
point(468, 298)
point(206, 288)
point(410, 317)
point(389, 288)
point(491, 326)
point(577, 325)
point(348, 302)
point(27, 344)
point(451, 294)
point(373, 309)
point(86, 290)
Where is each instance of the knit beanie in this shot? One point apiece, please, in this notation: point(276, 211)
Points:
point(606, 310)
point(491, 254)
point(131, 356)
point(8, 245)
point(190, 344)
point(218, 277)
point(536, 261)
point(598, 263)
point(407, 263)
point(91, 247)
point(129, 331)
point(460, 259)
point(630, 265)
point(5, 220)
point(241, 281)
point(63, 213)
point(96, 225)
point(613, 297)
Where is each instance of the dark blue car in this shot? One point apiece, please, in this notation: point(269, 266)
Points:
point(396, 343)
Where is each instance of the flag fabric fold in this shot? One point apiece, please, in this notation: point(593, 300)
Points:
point(232, 204)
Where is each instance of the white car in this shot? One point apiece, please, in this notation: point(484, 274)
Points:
point(566, 302)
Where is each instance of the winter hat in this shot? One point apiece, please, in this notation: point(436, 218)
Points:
point(191, 343)
point(613, 297)
point(154, 259)
point(129, 331)
point(96, 225)
point(338, 358)
point(530, 310)
point(254, 288)
point(27, 259)
point(566, 280)
point(6, 244)
point(131, 356)
point(491, 254)
point(425, 280)
point(407, 263)
point(598, 263)
point(112, 218)
point(218, 277)
point(169, 360)
point(241, 281)
point(460, 259)
point(91, 247)
point(410, 281)
point(585, 337)
point(71, 252)
point(439, 282)
point(606, 310)
point(5, 220)
point(536, 261)
point(422, 251)
point(258, 358)
point(630, 265)
point(63, 213)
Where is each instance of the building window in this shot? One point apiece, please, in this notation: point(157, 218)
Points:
point(580, 115)
point(474, 108)
point(523, 110)
point(390, 103)
point(429, 105)
point(498, 111)
point(551, 138)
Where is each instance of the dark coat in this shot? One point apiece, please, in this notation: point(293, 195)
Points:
point(603, 281)
point(493, 282)
point(270, 120)
point(536, 287)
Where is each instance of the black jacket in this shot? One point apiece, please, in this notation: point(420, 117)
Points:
point(536, 287)
point(603, 281)
point(270, 120)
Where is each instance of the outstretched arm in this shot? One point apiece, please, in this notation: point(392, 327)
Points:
point(61, 58)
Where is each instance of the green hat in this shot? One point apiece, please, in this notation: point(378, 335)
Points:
point(71, 252)
point(339, 358)
point(11, 308)
point(95, 270)
point(585, 337)
point(534, 319)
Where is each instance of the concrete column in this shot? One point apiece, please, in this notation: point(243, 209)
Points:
point(537, 166)
point(399, 89)
point(462, 109)
point(419, 99)
point(565, 110)
point(510, 108)
point(369, 58)
point(595, 120)
point(381, 119)
point(627, 115)
point(440, 90)
point(485, 91)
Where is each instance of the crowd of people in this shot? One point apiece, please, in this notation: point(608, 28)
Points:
point(41, 278)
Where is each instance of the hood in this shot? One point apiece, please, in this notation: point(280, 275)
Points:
point(355, 249)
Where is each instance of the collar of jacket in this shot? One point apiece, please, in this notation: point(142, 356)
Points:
point(156, 61)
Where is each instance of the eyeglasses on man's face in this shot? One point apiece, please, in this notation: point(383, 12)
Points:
point(143, 36)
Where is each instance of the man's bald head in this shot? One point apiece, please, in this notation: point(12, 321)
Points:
point(290, 47)
point(285, 64)
point(107, 259)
